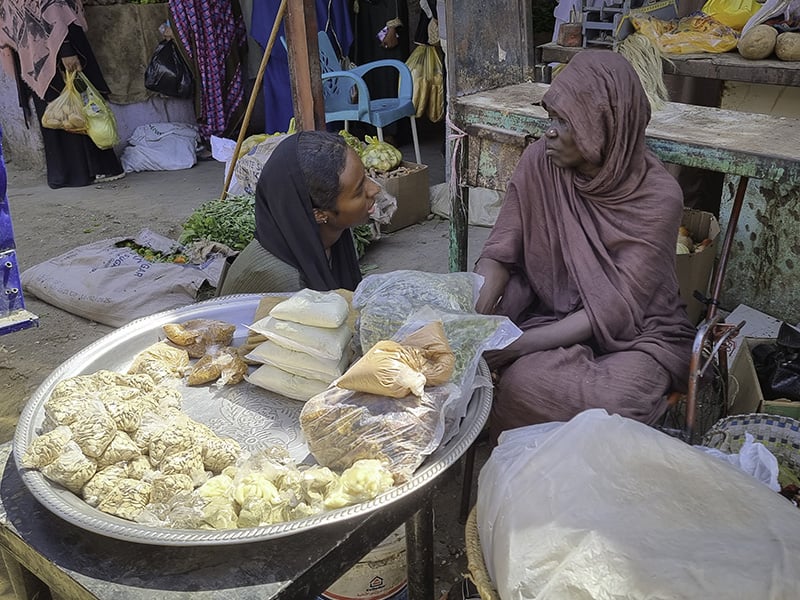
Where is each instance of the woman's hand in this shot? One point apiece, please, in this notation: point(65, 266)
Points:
point(497, 359)
point(72, 63)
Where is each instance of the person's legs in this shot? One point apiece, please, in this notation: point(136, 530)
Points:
point(556, 385)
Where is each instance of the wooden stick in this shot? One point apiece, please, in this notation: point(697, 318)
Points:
point(256, 86)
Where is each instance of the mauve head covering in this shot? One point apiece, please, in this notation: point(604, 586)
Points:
point(35, 29)
point(606, 243)
point(286, 227)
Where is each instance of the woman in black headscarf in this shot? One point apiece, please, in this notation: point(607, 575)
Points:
point(312, 190)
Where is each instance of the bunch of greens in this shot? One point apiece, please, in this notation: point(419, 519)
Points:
point(231, 222)
point(362, 236)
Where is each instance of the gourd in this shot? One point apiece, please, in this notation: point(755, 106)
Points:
point(787, 46)
point(758, 43)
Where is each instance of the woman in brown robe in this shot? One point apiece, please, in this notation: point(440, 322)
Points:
point(582, 258)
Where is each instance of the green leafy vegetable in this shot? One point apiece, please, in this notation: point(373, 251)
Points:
point(231, 222)
point(362, 236)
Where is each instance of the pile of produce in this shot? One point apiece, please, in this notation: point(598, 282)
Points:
point(380, 157)
point(123, 444)
point(762, 40)
point(231, 222)
point(176, 255)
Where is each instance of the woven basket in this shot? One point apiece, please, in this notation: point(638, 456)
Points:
point(780, 435)
point(477, 567)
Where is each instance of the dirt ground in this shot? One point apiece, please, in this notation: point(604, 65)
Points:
point(49, 222)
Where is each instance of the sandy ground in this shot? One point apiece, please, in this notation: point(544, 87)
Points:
point(50, 222)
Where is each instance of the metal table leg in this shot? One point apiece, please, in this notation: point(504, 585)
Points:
point(419, 552)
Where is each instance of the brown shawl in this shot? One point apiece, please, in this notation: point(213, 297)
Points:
point(607, 243)
point(35, 29)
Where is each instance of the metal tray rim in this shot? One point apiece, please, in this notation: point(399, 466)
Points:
point(91, 519)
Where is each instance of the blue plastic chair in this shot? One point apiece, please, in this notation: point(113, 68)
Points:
point(340, 105)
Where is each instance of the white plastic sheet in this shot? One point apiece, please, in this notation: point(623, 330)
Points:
point(604, 507)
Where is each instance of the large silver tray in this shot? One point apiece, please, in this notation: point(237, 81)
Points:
point(251, 415)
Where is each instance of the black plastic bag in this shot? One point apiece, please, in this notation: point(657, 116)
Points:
point(778, 365)
point(167, 72)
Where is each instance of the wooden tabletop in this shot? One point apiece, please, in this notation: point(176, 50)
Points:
point(727, 66)
point(732, 142)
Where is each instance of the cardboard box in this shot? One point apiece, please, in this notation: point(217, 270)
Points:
point(412, 191)
point(744, 389)
point(695, 270)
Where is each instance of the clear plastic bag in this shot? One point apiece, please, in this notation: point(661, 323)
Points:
point(386, 300)
point(342, 427)
point(101, 124)
point(66, 111)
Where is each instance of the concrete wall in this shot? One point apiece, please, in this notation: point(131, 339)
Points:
point(24, 144)
point(21, 144)
point(765, 257)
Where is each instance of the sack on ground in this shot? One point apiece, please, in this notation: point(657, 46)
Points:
point(100, 122)
point(66, 111)
point(167, 73)
point(114, 285)
point(160, 147)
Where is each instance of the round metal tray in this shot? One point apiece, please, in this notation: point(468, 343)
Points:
point(253, 416)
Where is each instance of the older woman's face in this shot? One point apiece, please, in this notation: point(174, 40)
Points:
point(561, 147)
point(357, 192)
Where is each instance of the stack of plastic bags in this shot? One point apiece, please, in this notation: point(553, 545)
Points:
point(308, 345)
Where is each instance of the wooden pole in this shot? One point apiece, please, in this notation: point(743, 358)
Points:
point(256, 86)
point(304, 67)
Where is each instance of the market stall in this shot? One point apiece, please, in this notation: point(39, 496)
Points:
point(269, 430)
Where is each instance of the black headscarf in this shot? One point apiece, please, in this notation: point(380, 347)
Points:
point(286, 227)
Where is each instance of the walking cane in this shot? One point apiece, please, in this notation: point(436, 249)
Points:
point(256, 86)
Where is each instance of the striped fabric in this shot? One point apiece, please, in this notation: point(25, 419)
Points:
point(212, 34)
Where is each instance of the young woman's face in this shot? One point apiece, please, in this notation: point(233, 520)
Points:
point(356, 200)
point(561, 147)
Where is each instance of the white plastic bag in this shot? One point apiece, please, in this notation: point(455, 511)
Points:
point(160, 147)
point(300, 363)
point(754, 459)
point(222, 150)
point(292, 386)
point(605, 507)
point(314, 308)
point(317, 341)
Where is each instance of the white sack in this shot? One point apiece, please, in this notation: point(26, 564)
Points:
point(160, 147)
point(605, 508)
point(113, 285)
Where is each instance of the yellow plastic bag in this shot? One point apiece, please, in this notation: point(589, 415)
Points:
point(66, 111)
point(733, 13)
point(416, 64)
point(101, 124)
point(689, 35)
point(434, 74)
